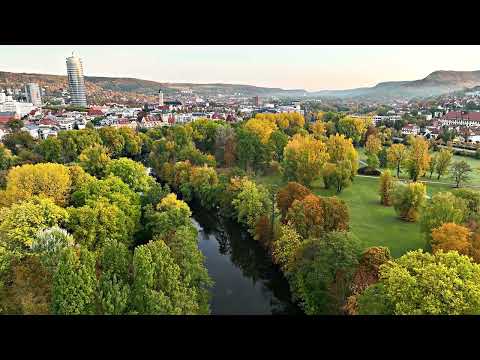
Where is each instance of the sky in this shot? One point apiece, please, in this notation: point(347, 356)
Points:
point(312, 67)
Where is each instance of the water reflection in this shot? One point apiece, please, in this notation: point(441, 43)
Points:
point(246, 281)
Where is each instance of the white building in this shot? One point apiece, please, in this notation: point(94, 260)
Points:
point(410, 129)
point(378, 118)
point(32, 91)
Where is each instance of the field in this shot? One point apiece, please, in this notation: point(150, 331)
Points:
point(372, 223)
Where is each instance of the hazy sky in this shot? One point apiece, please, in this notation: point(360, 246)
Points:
point(312, 67)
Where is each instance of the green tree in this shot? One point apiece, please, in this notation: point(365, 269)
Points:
point(321, 276)
point(113, 140)
point(408, 199)
point(157, 285)
point(74, 283)
point(132, 173)
point(460, 172)
point(420, 283)
point(277, 142)
point(50, 149)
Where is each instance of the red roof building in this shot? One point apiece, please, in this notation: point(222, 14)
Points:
point(171, 119)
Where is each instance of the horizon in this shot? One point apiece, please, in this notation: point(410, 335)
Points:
point(310, 68)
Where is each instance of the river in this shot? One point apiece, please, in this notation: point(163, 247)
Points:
point(246, 280)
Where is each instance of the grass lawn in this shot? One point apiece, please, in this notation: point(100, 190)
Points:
point(372, 223)
point(474, 175)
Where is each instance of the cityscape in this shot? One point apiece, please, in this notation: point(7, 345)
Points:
point(129, 196)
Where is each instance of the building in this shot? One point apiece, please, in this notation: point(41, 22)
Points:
point(377, 119)
point(32, 91)
point(160, 98)
point(76, 81)
point(256, 101)
point(410, 129)
point(460, 118)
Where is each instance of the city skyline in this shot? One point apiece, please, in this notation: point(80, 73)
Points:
point(311, 68)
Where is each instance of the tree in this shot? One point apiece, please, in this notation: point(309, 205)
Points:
point(95, 160)
point(383, 158)
point(262, 129)
point(285, 247)
point(18, 141)
point(50, 242)
point(157, 285)
point(132, 173)
point(133, 142)
point(304, 158)
point(339, 149)
point(443, 162)
point(277, 142)
point(251, 152)
point(366, 274)
point(114, 282)
point(387, 186)
point(50, 180)
point(288, 194)
point(171, 214)
point(50, 149)
point(450, 236)
point(250, 203)
point(20, 222)
point(341, 177)
point(460, 172)
point(408, 199)
point(396, 156)
point(113, 140)
point(433, 164)
point(336, 214)
point(420, 283)
point(15, 125)
point(74, 283)
point(6, 158)
point(352, 128)
point(472, 201)
point(91, 225)
point(318, 129)
point(321, 276)
point(307, 216)
point(328, 175)
point(444, 207)
point(373, 145)
point(418, 158)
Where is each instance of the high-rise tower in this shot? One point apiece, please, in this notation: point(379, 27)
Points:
point(76, 82)
point(160, 97)
point(32, 90)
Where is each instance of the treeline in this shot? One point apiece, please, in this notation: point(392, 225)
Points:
point(86, 230)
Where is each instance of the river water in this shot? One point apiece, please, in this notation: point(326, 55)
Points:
point(246, 280)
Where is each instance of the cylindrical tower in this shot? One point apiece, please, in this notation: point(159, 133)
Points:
point(160, 97)
point(76, 82)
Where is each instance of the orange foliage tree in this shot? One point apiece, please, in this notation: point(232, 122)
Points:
point(450, 236)
point(288, 194)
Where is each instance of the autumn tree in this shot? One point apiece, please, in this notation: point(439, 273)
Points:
point(340, 149)
point(450, 236)
point(50, 180)
point(352, 128)
point(95, 160)
point(304, 158)
point(373, 145)
point(288, 194)
point(418, 158)
point(396, 155)
point(442, 208)
point(132, 173)
point(318, 129)
point(387, 186)
point(307, 217)
point(472, 201)
point(407, 200)
point(443, 162)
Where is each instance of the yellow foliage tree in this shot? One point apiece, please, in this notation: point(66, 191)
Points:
point(50, 180)
point(304, 158)
point(373, 145)
point(318, 129)
point(341, 148)
point(396, 155)
point(263, 129)
point(418, 158)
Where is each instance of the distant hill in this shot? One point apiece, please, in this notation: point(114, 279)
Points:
point(435, 84)
point(145, 87)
